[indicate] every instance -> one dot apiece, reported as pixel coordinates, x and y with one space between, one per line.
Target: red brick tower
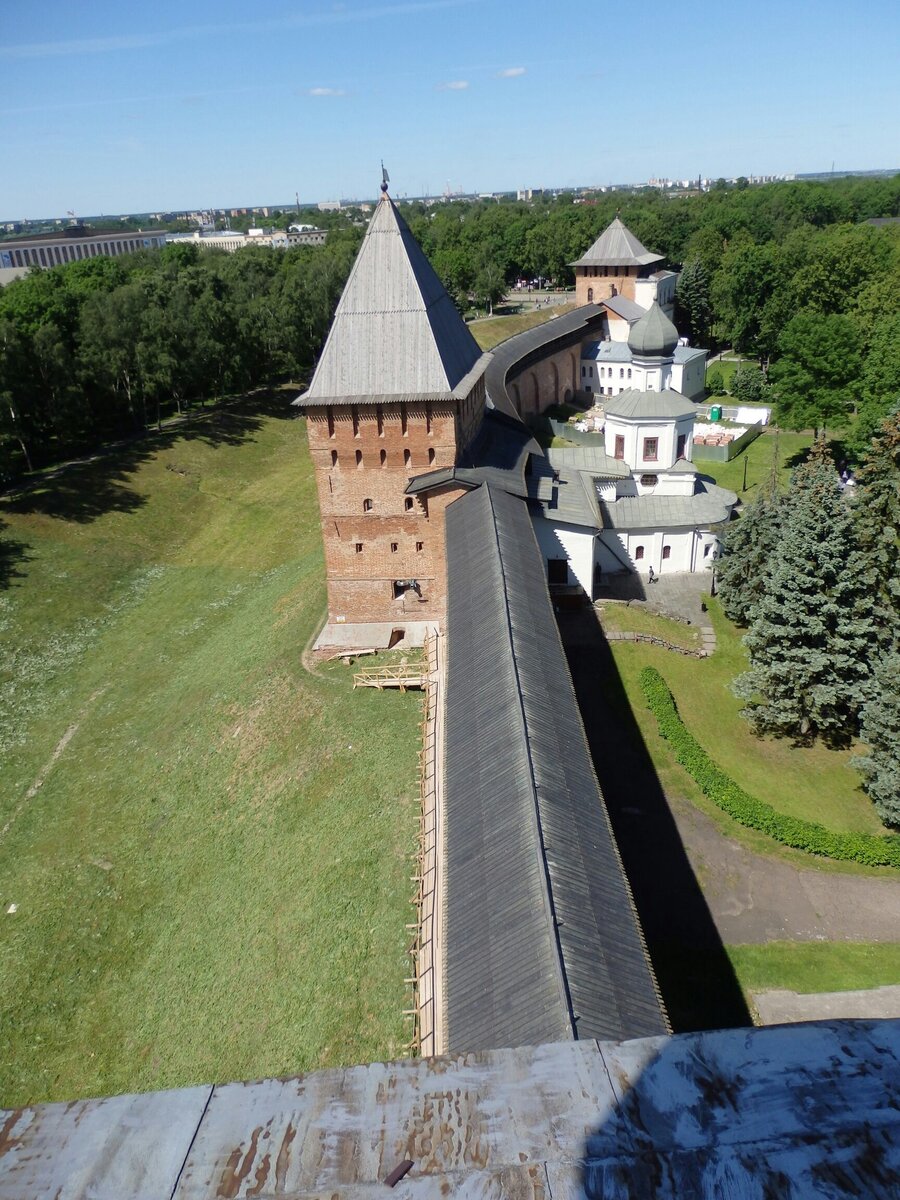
397 393
612 265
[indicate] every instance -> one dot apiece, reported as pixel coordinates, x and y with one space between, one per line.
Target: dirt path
48 766
758 899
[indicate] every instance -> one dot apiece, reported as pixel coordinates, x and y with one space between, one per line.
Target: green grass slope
207 845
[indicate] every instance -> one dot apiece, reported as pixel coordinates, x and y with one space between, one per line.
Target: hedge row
870 849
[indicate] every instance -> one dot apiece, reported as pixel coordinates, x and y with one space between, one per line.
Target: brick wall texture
374 535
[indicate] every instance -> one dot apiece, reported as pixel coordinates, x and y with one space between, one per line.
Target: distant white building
72 244
619 363
231 240
635 501
625 279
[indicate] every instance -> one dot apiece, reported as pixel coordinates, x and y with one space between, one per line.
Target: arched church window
667 551
638 552
590 295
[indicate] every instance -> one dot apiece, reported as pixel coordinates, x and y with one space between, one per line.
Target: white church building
634 501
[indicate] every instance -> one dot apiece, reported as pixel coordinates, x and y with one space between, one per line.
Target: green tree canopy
815 379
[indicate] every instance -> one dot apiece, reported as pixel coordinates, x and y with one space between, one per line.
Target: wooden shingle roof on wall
542 939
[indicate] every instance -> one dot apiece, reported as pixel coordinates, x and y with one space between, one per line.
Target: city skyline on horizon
174 117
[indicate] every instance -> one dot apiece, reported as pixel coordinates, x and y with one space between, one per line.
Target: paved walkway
756 899
784 1007
680 596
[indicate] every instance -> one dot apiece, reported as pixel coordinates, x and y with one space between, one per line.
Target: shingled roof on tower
396 332
617 247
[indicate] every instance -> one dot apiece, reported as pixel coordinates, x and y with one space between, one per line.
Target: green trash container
715 412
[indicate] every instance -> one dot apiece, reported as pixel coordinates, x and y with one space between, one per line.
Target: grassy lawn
727 369
814 783
634 619
759 456
816 966
208 845
492 330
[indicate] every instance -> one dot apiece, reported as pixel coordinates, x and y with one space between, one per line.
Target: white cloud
324 91
453 85
510 72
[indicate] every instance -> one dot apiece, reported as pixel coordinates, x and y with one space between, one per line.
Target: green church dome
653 335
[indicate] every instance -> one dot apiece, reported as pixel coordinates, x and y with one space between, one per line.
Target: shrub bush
871 850
715 382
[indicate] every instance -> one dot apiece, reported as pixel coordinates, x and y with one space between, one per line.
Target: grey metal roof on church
653 335
709 505
542 940
634 405
623 307
396 333
617 247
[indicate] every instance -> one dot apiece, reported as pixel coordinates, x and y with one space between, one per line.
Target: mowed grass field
208 847
490 331
813 782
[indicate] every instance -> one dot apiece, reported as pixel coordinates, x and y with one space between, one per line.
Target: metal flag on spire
385 178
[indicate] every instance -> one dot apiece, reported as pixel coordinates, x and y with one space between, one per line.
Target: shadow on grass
695 976
12 553
87 488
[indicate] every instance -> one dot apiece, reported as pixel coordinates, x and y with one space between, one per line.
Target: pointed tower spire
396 332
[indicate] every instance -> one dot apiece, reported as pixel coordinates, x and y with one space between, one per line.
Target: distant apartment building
231 240
74 243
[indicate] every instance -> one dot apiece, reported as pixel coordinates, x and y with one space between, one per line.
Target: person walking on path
652 576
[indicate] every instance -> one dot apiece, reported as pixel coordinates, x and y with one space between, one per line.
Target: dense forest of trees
105 347
789 273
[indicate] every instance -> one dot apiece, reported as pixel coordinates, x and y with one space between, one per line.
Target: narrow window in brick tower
420 546
383 457
334 458
359 458
367 505
431 456
408 503
394 547
406 458
358 547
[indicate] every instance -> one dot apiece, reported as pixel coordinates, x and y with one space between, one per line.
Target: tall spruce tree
878 515
748 552
880 730
814 633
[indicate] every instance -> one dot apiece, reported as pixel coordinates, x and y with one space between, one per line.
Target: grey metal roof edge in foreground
806 1110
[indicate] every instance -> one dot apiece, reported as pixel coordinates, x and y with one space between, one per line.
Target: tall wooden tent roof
396 332
617 247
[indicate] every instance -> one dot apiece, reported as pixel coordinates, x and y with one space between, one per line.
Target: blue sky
109 108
